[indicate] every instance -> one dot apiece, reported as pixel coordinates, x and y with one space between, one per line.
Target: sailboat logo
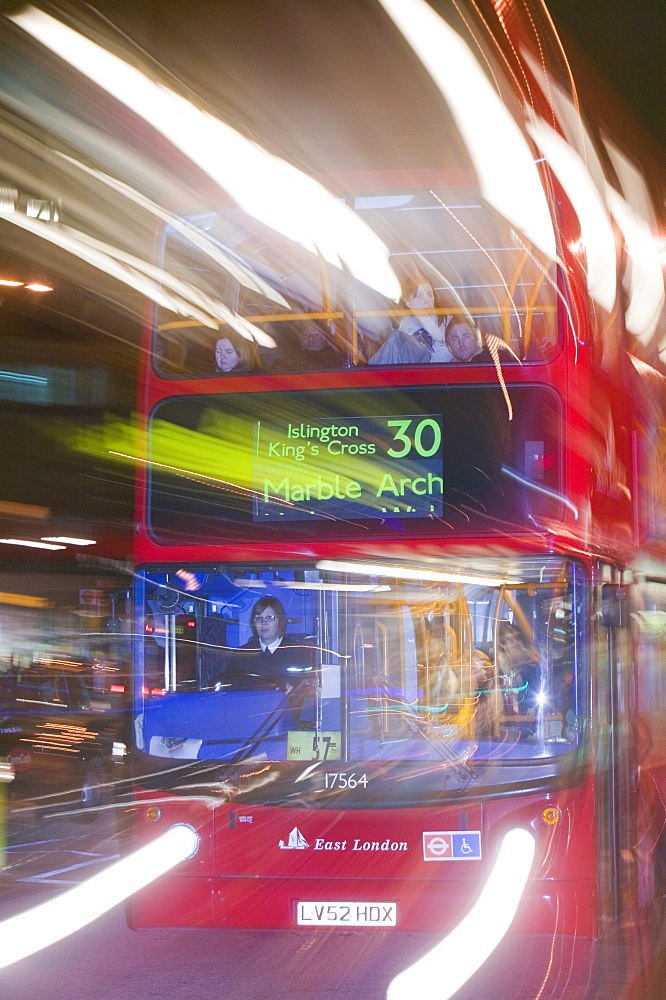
296 842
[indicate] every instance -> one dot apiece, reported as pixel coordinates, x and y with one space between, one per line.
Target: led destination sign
419 461
349 467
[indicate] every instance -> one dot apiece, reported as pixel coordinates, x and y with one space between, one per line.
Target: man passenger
465 343
314 349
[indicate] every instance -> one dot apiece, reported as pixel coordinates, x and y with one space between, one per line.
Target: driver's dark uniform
290 663
252 659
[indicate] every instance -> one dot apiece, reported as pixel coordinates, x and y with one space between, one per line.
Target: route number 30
426 437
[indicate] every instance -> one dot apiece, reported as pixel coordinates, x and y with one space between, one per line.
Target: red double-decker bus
400 583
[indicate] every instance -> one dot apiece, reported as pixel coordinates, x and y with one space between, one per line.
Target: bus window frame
563 770
349 321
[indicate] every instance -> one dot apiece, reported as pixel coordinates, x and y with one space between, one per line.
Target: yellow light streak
25 600
197 475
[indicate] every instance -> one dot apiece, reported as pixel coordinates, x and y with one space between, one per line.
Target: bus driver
270 652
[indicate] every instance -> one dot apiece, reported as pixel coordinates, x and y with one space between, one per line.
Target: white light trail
450 964
595 225
265 186
49 922
153 282
644 280
66 540
499 151
637 219
410 573
524 481
29 544
358 588
222 256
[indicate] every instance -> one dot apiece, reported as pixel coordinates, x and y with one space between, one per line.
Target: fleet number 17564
340 779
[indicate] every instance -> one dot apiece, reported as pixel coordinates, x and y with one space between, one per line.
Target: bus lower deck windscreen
422 667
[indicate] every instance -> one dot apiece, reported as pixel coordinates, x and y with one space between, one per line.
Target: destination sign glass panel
427 461
358 467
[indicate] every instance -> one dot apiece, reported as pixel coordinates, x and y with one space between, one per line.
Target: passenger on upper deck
418 339
420 294
234 353
314 349
465 343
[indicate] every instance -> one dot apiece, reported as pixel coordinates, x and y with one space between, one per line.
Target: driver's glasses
258 619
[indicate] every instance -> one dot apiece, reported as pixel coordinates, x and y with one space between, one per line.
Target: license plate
347 914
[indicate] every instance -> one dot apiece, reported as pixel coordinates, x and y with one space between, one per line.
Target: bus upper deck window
478 295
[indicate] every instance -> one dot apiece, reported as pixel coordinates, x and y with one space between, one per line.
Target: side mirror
614 605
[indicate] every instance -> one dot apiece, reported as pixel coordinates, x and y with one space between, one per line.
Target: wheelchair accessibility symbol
452 845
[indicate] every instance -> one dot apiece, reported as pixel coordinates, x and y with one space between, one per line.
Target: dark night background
626 41
88 334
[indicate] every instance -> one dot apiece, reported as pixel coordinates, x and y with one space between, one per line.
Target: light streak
450 964
358 588
494 344
223 256
265 186
409 573
512 474
492 263
25 600
645 280
69 541
190 472
162 287
54 920
29 544
502 159
596 230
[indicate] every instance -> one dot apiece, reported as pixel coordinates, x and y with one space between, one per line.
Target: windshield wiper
447 753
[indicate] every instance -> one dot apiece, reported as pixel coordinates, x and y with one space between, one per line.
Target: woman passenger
418 339
489 697
429 330
234 353
441 681
521 664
